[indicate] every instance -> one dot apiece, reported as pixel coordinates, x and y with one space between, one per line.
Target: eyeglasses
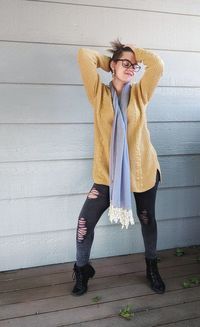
127 64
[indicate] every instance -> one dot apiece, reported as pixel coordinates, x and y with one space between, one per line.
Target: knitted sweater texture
143 158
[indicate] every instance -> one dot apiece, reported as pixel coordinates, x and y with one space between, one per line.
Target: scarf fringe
124 216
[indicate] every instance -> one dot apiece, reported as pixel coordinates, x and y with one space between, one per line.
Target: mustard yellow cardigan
143 158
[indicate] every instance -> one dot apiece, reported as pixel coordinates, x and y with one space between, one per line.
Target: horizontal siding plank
45 178
57 64
56 247
174 104
170 6
45 104
34 215
53 178
75 141
34 142
33 18
69 104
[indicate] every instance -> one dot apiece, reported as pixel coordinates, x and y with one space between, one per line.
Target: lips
129 74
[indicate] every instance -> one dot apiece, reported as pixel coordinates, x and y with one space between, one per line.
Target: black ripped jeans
97 202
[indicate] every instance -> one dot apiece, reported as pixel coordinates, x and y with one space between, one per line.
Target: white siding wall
46 129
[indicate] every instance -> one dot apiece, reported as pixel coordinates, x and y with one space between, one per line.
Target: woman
124 158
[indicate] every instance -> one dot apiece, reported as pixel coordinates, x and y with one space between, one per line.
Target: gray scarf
119 168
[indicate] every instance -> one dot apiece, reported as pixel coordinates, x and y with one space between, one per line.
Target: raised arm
153 72
89 61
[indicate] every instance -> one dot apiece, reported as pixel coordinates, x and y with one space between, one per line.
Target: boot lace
76 275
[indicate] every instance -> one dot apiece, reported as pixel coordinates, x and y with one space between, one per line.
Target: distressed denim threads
97 202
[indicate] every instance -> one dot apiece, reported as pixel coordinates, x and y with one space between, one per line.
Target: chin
127 80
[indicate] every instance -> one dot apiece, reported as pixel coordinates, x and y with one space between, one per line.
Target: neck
118 85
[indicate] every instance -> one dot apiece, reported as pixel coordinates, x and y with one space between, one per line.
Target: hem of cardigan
100 182
151 185
141 190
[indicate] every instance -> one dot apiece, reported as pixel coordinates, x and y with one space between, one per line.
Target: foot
152 274
82 275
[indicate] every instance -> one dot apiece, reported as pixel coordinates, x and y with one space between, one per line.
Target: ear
112 66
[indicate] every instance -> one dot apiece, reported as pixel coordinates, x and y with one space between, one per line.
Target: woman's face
121 72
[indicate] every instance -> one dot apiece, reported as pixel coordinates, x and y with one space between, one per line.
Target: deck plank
153 318
139 291
41 296
65 278
166 255
158 312
193 322
13 284
95 285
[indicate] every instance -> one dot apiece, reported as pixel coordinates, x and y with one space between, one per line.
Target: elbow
160 65
80 54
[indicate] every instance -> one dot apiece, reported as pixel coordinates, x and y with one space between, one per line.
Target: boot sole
79 294
155 289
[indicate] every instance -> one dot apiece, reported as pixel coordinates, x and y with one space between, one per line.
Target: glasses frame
135 66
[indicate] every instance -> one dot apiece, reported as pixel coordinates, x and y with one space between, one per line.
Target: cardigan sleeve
89 61
153 72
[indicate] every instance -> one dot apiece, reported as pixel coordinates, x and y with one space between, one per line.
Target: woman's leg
96 203
145 204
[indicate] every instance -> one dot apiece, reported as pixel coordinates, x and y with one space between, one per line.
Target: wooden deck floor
41 296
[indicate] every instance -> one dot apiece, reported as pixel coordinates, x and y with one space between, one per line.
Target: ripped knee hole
144 217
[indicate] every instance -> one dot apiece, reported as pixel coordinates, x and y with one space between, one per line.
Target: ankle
152 274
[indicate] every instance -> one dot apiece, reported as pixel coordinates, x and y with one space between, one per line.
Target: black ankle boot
152 274
82 274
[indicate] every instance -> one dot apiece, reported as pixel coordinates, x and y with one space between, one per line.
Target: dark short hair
117 49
